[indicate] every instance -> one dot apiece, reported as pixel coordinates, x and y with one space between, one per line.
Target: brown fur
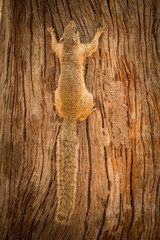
73 102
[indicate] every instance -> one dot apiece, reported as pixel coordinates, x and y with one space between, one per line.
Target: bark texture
118 192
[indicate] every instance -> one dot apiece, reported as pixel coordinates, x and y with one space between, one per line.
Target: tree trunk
118 193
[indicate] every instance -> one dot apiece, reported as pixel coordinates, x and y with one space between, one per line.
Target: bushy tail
67 168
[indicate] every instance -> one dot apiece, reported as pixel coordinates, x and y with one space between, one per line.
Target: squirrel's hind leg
87 106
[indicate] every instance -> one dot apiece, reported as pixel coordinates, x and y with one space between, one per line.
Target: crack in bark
92 6
49 7
110 12
31 42
44 38
42 144
101 227
131 195
90 168
89 179
119 216
107 174
69 9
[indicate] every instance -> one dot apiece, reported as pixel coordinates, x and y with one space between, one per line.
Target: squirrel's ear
61 40
75 41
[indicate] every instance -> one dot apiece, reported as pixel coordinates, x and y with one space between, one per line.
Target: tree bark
118 192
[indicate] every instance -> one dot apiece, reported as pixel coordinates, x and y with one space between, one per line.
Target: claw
50 30
94 109
101 29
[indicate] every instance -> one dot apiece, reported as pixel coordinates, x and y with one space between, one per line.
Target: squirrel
73 102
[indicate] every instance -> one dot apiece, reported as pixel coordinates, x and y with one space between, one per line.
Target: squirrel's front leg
55 44
92 47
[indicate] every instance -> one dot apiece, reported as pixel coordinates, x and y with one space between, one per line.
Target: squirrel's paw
100 30
50 30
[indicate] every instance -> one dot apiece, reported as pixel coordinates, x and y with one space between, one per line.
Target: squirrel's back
71 81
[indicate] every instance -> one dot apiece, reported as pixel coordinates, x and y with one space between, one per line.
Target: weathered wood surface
119 168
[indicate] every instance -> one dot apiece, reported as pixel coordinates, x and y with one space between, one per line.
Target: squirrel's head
71 35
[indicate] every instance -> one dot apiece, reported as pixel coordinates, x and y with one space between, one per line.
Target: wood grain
118 192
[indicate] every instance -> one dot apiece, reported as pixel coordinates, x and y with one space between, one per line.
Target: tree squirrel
73 102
